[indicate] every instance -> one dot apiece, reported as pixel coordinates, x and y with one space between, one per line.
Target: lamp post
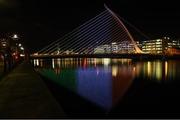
16 47
15 36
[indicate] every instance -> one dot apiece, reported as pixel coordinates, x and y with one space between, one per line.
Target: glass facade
159 46
116 47
152 46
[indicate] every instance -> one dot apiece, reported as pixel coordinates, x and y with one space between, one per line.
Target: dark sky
39 22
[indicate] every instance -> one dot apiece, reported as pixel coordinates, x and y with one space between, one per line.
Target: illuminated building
153 46
102 49
159 46
126 47
116 47
174 44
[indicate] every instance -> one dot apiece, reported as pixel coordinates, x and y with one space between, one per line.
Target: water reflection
95 87
104 81
159 70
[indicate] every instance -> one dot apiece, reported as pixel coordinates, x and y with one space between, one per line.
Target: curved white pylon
137 49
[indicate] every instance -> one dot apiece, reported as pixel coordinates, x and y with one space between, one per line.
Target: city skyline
46 21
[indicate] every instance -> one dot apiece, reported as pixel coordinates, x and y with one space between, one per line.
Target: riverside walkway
23 94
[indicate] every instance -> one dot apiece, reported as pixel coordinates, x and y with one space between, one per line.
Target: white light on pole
15 36
20 45
22 48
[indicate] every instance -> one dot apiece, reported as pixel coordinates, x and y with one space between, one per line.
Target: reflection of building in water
65 78
159 70
101 85
106 61
95 84
66 62
114 71
171 69
122 78
42 63
152 70
78 62
105 85
36 62
122 61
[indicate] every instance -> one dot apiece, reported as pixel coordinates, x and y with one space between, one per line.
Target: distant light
168 38
22 48
158 40
22 55
20 45
113 43
16 57
15 36
35 53
4 44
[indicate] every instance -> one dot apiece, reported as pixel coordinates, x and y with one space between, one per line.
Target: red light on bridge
16 57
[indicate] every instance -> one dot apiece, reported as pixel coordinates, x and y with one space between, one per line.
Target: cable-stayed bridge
105 34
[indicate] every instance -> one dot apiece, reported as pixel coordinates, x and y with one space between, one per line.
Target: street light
22 48
20 45
15 36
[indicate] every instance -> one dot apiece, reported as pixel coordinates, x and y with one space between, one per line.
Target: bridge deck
130 56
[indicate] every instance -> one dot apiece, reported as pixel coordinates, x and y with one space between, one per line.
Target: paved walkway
23 94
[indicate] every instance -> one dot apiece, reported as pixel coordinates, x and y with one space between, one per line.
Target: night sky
40 22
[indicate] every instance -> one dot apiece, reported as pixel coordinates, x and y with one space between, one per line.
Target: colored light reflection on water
104 82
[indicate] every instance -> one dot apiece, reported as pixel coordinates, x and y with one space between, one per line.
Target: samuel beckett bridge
105 35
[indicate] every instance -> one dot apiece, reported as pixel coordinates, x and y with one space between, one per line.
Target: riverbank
24 95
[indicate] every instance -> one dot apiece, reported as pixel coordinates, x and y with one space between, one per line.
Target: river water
118 85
